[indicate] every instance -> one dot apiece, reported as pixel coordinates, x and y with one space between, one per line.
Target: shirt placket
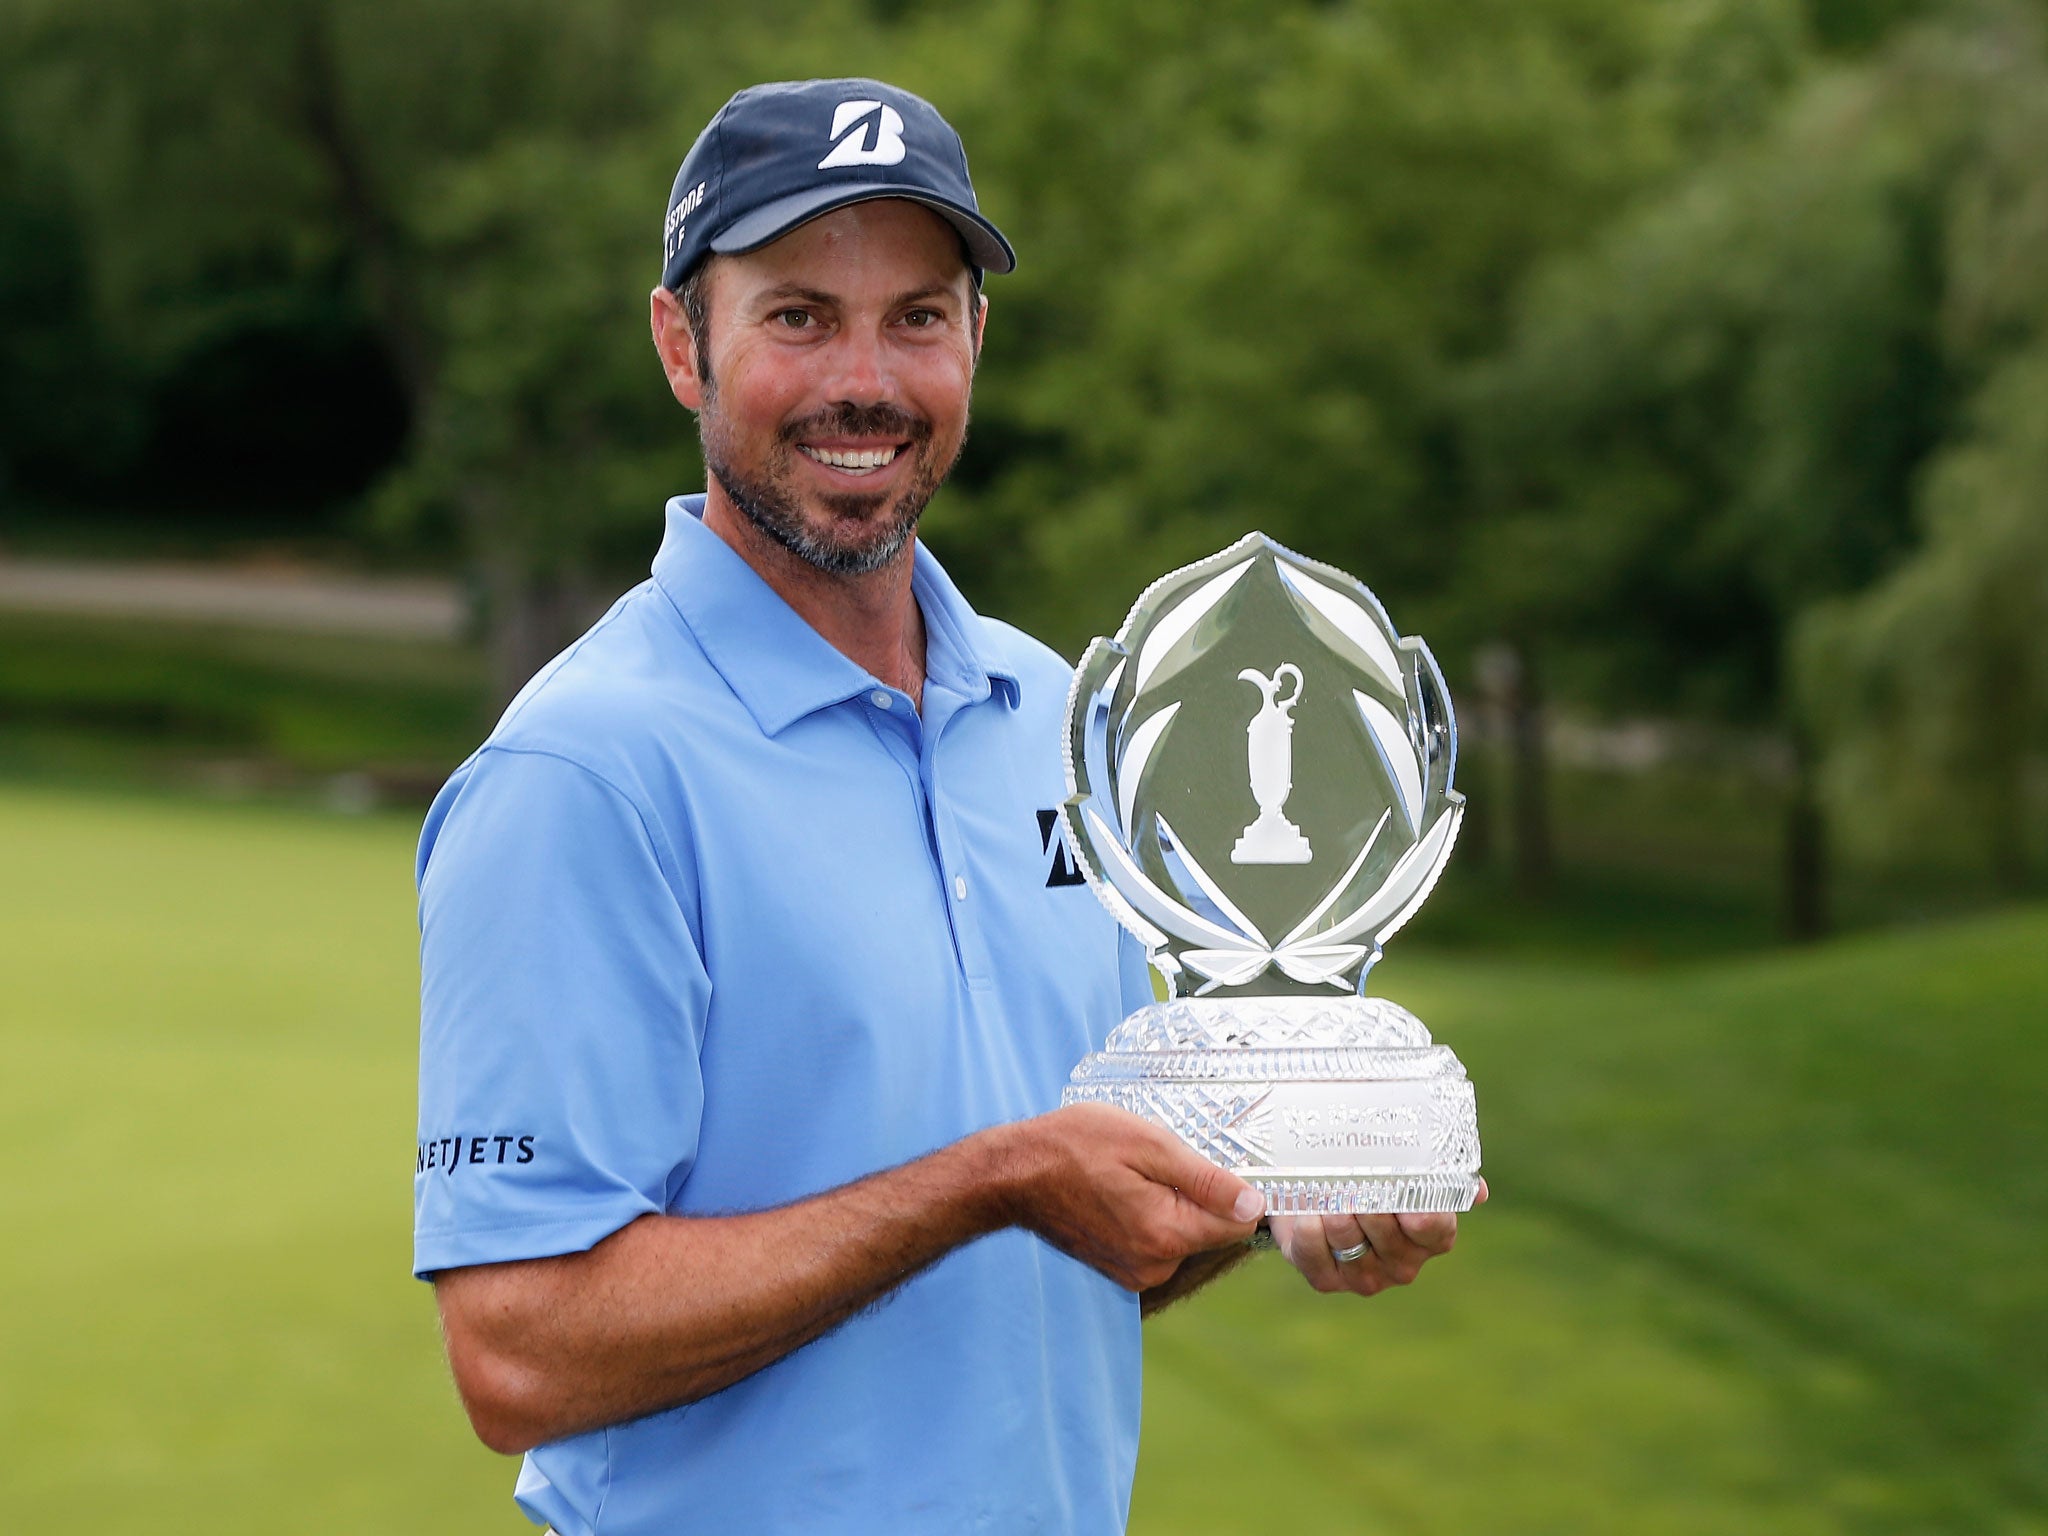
915 745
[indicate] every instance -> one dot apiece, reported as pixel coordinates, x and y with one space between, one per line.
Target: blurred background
1678 368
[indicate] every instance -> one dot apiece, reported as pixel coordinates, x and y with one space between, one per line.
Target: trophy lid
1259 774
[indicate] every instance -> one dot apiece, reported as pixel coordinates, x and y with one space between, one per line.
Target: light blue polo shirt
714 921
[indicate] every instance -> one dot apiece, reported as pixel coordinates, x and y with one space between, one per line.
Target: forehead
878 249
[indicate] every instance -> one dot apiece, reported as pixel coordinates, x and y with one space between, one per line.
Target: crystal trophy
1259 787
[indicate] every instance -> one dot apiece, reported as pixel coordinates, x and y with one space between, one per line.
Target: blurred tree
211 135
1308 218
228 154
1931 690
1715 419
1276 262
551 438
64 417
1313 222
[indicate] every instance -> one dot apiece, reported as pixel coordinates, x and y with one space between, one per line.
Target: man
746 998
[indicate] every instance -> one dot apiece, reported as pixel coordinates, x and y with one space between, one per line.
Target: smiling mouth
853 461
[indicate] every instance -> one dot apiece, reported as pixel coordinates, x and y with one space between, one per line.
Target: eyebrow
817 296
796 291
932 291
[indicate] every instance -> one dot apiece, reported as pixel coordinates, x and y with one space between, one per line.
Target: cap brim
986 247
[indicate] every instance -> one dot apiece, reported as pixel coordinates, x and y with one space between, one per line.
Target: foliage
1737 406
1318 215
55 417
1706 422
1934 685
243 168
1630 335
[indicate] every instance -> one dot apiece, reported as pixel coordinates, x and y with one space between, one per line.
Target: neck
872 619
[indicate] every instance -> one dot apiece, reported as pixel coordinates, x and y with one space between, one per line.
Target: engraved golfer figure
1272 839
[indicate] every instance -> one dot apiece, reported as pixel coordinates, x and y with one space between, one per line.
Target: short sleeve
562 1008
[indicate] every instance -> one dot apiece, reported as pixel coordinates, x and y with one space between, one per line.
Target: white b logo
853 148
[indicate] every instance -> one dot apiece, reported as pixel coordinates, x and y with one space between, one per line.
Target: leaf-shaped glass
1260 689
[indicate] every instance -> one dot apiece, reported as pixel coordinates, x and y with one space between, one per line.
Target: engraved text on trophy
1272 839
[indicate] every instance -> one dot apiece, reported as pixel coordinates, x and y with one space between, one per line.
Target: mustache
848 420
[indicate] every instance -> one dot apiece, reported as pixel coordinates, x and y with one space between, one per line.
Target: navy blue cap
778 155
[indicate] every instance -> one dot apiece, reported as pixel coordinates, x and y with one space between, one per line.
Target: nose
861 373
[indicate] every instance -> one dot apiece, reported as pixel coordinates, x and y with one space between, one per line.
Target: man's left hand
1396 1247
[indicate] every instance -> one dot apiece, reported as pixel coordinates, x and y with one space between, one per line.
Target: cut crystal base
1325 1106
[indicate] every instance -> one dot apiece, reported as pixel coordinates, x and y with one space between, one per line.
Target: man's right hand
1122 1195
669 1309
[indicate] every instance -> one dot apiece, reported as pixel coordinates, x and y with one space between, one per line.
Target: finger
1344 1233
1432 1232
1201 1229
1438 1230
1301 1242
1370 1272
1216 1190
1398 1257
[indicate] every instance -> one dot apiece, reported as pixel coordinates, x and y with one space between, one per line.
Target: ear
676 347
980 321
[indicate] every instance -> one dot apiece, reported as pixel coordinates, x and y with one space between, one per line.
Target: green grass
208 1028
1766 1251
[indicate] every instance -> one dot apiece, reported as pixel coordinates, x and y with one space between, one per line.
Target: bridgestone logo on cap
853 149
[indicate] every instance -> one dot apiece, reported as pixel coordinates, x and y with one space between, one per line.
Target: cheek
763 384
944 388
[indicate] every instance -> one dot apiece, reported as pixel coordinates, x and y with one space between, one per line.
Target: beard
858 533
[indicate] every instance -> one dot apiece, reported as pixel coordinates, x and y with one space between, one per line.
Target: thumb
1219 1191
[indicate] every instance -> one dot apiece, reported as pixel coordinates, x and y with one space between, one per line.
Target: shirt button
959 887
881 699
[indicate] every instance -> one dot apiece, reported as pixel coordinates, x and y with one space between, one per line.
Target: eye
794 319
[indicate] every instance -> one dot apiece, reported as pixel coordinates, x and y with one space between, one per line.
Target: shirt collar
781 668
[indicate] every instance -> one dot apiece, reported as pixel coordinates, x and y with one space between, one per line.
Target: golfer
749 984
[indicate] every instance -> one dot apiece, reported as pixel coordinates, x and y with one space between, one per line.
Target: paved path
403 607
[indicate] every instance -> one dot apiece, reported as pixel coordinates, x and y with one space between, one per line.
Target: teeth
865 458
